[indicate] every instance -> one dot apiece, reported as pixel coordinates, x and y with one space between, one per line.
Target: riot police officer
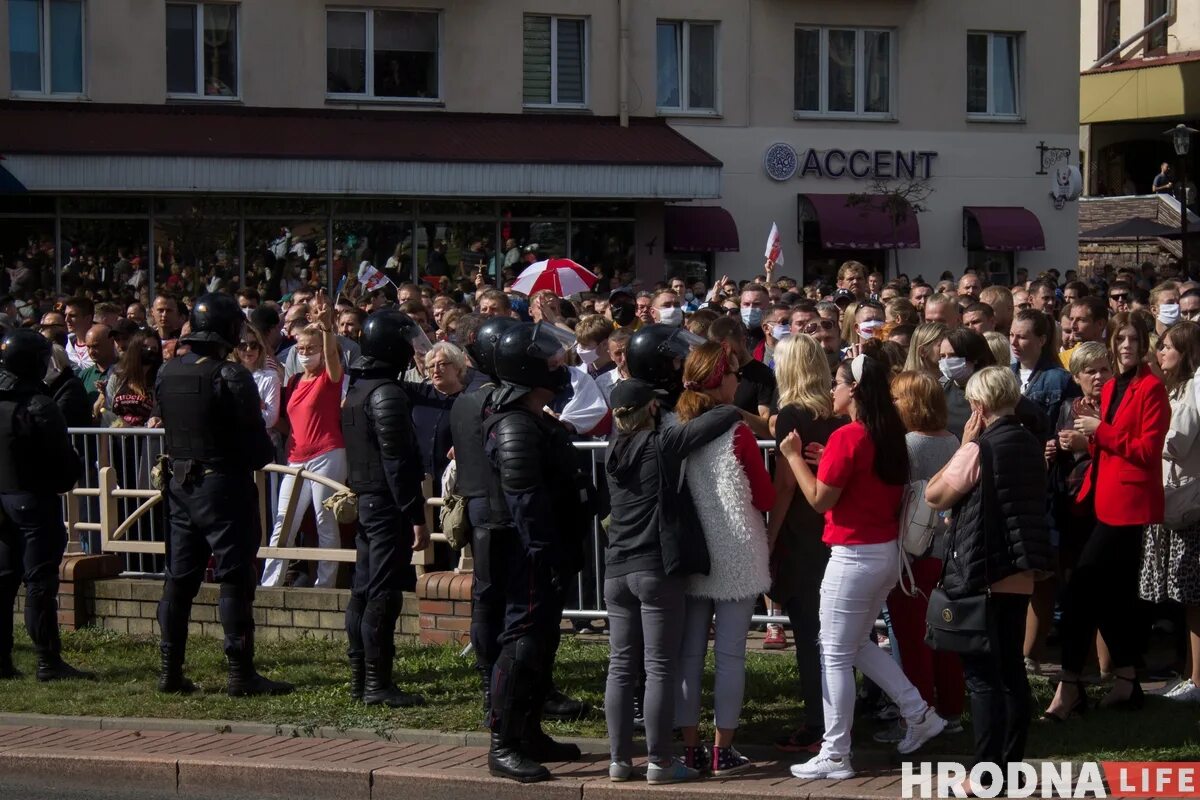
37 463
215 440
486 513
550 507
656 354
385 471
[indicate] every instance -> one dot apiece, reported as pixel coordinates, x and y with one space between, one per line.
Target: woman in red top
1125 485
858 486
314 410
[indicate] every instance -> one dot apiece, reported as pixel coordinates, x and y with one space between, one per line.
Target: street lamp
1181 137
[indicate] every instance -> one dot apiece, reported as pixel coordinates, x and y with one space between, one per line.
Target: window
1156 40
844 72
687 66
202 50
1110 25
387 54
993 75
45 39
555 61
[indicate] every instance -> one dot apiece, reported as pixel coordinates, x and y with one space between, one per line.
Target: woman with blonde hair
731 489
798 557
923 347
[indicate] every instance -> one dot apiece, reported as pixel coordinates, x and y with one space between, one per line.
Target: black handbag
963 625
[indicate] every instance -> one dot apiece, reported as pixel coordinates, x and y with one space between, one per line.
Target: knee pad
528 652
39 591
238 585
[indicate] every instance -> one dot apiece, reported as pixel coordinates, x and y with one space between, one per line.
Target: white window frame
198 18
44 81
1018 100
859 74
685 56
587 63
368 94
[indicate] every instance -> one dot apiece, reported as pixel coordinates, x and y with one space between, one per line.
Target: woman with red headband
731 489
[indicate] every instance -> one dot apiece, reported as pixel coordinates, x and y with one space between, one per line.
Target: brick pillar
445 606
74 573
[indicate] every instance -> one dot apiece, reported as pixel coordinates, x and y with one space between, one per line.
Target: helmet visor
681 342
419 341
549 341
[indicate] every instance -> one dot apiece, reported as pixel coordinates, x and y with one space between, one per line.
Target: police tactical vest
466 427
11 446
196 425
365 473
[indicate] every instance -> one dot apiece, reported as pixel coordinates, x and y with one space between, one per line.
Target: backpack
918 525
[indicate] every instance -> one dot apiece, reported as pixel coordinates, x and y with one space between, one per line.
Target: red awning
1003 228
860 222
700 229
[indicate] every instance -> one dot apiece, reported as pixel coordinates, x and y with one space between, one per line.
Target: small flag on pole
371 278
340 288
774 251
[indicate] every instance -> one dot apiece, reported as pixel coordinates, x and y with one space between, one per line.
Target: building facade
212 139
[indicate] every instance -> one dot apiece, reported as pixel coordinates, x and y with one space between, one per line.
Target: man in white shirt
79 317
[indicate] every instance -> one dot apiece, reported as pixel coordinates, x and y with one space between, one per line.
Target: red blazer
1127 478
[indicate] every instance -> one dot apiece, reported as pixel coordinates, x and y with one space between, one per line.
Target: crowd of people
1048 425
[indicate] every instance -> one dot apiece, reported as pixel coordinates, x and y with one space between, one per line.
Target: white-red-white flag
370 277
774 246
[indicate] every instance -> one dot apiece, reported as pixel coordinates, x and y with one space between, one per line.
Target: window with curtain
687 66
555 61
202 49
45 40
844 72
1156 40
383 53
994 75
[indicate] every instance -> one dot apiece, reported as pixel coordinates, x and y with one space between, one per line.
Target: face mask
587 355
560 379
780 332
689 296
247 311
151 358
670 316
307 362
954 368
752 317
1168 313
866 330
624 313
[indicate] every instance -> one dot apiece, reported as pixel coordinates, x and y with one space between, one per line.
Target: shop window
843 72
606 248
202 50
109 258
1156 40
386 245
454 252
692 267
385 54
555 61
687 66
998 268
45 46
994 75
285 255
196 252
27 252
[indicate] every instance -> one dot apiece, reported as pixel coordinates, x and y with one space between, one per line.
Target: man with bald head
969 287
942 308
102 351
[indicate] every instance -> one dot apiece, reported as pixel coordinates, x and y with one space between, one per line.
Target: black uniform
385 472
37 462
215 439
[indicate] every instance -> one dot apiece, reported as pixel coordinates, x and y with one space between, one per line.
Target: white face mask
689 296
587 355
247 311
780 332
866 330
1168 313
671 316
312 362
954 368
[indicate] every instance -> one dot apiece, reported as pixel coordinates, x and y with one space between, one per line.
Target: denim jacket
1048 386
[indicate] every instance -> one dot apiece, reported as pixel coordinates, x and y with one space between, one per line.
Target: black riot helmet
483 349
655 355
390 338
25 353
532 355
216 319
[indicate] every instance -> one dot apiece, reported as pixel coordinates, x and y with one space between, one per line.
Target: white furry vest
733 528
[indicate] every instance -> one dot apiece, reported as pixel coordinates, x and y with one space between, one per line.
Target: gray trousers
645 616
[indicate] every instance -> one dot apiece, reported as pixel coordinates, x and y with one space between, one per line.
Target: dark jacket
36 454
71 398
649 527
958 411
431 420
1048 386
1000 526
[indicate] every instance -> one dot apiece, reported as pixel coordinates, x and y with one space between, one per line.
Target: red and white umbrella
560 275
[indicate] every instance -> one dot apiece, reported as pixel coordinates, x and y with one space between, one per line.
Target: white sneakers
1184 692
920 732
823 766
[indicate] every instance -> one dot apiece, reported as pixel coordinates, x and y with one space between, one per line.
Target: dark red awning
861 222
1003 228
700 229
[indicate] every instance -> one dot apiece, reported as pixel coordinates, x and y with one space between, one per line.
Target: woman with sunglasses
858 486
252 354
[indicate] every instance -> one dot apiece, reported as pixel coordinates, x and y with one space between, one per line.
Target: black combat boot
244 680
357 678
561 708
378 688
513 693
53 668
8 670
170 677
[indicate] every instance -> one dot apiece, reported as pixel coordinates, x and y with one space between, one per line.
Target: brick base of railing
445 606
77 573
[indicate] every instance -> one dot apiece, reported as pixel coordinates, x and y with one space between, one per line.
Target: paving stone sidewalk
229 764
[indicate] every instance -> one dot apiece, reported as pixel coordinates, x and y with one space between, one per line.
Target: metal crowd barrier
115 510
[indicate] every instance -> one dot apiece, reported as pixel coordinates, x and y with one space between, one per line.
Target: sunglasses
1118 297
818 326
248 346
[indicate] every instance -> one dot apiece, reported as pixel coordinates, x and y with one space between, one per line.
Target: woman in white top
252 354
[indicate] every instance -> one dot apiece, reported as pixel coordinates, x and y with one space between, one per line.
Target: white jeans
729 647
856 584
331 465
